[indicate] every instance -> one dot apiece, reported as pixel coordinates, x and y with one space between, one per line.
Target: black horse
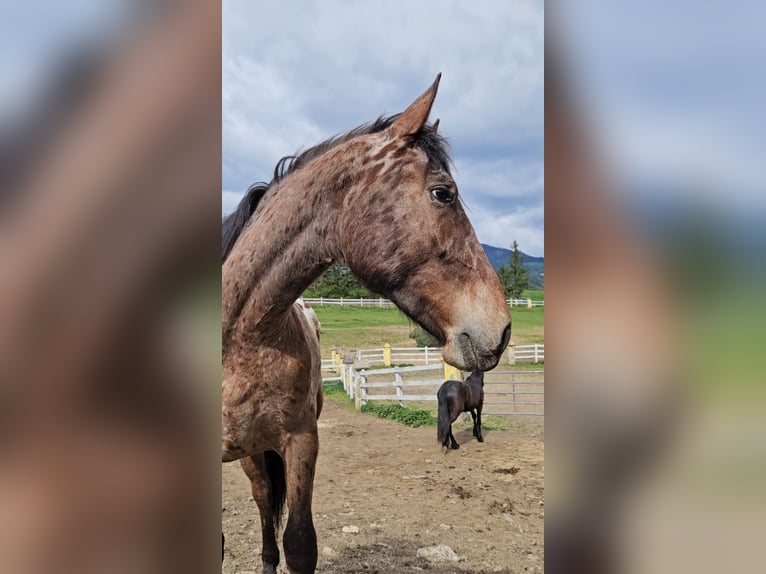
457 397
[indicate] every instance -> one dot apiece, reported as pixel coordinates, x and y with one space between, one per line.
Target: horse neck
475 383
290 242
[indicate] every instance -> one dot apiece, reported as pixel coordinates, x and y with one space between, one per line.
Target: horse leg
479 436
446 441
300 540
443 420
455 445
255 468
475 428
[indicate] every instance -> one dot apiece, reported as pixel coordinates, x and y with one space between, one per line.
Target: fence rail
380 302
506 392
534 353
388 356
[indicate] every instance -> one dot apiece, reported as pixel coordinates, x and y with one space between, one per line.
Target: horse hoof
455 446
480 438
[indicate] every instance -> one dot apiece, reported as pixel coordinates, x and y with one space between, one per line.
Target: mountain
499 256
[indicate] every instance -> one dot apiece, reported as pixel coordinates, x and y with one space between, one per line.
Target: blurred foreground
109 202
654 199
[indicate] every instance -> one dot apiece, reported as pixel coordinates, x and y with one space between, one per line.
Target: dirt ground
485 501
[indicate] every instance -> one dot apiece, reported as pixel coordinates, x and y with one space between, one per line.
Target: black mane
432 143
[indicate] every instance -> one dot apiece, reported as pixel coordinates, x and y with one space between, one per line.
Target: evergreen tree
514 277
336 282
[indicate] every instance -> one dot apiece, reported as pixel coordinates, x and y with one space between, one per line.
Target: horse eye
443 195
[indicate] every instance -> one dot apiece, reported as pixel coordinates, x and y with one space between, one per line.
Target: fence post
451 373
349 380
387 355
537 357
513 382
321 301
358 389
529 303
352 375
426 355
511 353
399 391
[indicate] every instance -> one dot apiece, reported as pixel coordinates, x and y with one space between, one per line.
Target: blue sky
672 93
295 73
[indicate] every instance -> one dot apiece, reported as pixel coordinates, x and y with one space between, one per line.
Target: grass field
372 327
535 295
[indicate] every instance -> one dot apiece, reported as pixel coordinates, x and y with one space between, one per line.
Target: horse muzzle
476 349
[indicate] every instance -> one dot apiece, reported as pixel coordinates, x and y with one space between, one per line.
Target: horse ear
414 117
435 127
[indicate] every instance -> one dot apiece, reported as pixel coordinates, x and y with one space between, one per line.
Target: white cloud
296 73
520 225
502 178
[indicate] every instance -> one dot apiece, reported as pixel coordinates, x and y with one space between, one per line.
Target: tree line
338 281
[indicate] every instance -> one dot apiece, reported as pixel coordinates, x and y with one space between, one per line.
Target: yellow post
451 373
511 353
387 354
334 360
529 303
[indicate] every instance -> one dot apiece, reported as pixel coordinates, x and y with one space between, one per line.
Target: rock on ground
440 553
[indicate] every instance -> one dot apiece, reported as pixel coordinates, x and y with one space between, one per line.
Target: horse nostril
506 338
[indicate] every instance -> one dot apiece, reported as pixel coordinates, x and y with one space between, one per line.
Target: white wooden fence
388 356
380 302
506 392
398 355
534 353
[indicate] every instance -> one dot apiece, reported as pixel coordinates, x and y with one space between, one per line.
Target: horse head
404 233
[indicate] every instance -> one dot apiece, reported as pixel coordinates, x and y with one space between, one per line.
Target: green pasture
362 328
372 327
534 294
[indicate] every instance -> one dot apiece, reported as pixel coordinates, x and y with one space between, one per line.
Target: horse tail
443 422
275 469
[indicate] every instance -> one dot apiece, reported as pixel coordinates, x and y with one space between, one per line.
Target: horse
311 315
381 199
456 397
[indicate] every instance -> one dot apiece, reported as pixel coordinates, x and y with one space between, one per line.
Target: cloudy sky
295 73
673 100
